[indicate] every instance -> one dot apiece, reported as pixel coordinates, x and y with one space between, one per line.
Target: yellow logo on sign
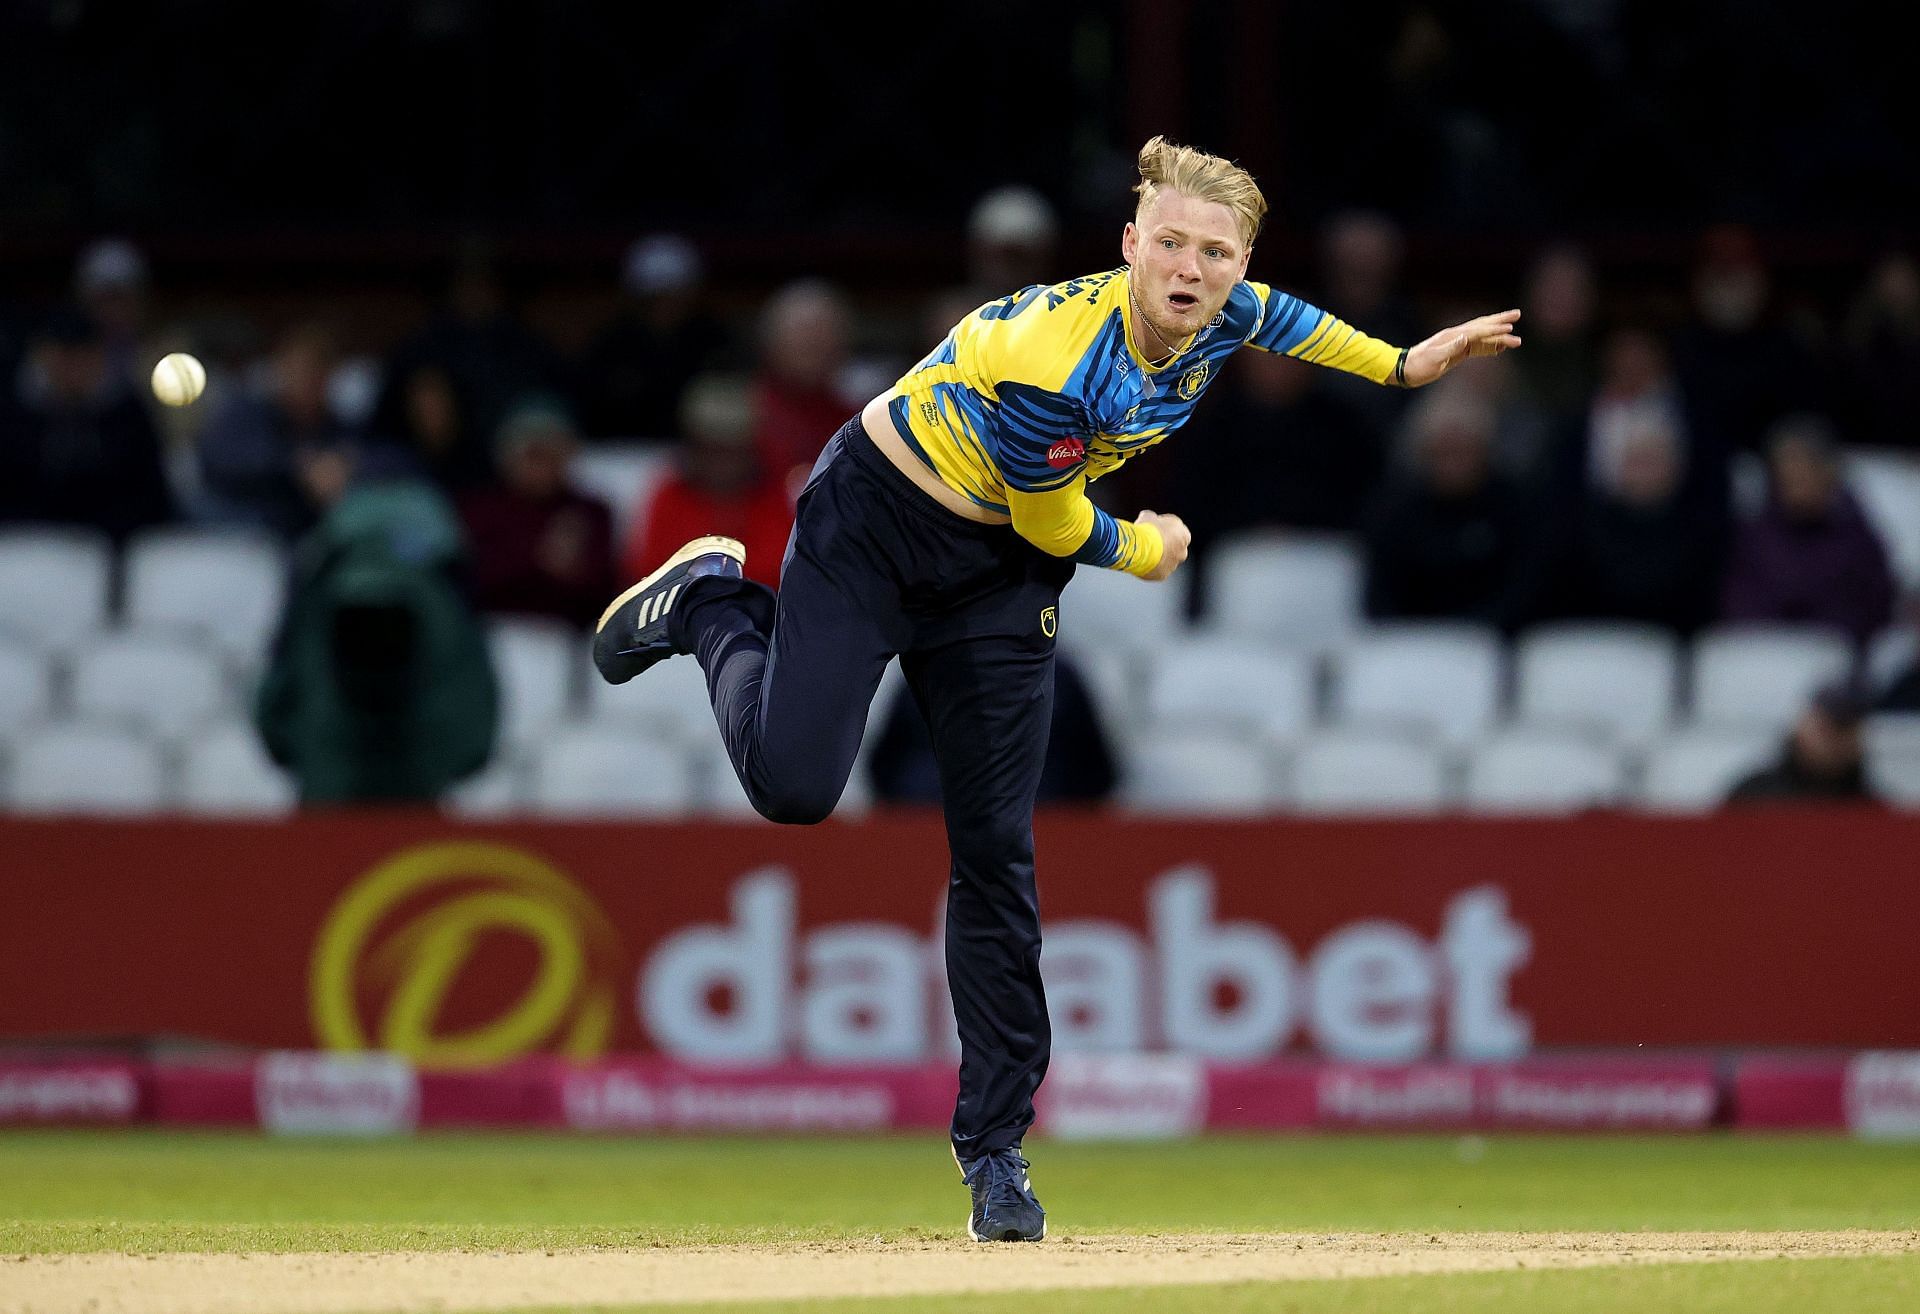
412 925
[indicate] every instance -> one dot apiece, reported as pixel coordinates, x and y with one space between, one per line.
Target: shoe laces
1005 1174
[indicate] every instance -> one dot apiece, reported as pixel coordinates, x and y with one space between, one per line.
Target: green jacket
380 688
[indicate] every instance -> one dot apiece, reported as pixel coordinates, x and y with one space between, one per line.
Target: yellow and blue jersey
1032 396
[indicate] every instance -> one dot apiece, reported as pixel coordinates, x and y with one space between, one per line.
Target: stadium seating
1536 771
1434 677
224 771
1888 486
1195 772
1234 687
26 686
1692 770
1360 771
1892 744
1618 680
82 768
160 683
536 662
1761 676
670 701
1302 591
225 584
623 475
588 771
1115 610
55 583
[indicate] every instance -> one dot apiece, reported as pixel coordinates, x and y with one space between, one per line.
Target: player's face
1186 256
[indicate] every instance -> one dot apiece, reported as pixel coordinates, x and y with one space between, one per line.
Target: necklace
1165 346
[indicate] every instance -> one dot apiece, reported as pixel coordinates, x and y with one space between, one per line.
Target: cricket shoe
1004 1207
632 633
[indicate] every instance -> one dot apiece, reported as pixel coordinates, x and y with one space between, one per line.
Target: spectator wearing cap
719 487
1821 760
800 392
78 449
633 374
1810 556
1013 241
110 281
539 546
257 452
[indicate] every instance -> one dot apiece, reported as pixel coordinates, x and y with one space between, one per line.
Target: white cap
110 263
1012 216
663 263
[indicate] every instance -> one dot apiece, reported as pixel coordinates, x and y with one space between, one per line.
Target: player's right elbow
1054 540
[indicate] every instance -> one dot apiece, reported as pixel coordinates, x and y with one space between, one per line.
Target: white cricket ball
179 379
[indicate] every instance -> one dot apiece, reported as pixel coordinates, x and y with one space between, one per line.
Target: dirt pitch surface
339 1283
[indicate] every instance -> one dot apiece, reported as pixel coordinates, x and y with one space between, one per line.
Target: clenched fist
1174 534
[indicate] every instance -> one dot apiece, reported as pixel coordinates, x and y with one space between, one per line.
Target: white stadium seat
86 769
588 771
227 584
26 686
1300 590
1762 676
1345 772
623 475
669 700
536 662
1892 744
55 583
161 683
1692 771
225 771
1439 677
1110 608
499 790
1620 680
1197 773
1541 772
1235 687
1888 486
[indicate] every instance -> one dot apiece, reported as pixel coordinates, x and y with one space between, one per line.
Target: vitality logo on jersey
1066 452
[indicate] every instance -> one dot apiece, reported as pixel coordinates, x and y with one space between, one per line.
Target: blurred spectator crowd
1665 553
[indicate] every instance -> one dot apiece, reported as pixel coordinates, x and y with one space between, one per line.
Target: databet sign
759 989
458 946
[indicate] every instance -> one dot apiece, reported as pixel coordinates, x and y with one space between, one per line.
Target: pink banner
1105 1096
61 1092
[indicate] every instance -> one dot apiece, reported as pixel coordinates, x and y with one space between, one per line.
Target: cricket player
940 526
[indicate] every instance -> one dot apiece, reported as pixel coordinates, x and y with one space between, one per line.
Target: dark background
255 152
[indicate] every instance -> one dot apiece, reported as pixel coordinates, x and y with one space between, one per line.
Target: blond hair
1203 177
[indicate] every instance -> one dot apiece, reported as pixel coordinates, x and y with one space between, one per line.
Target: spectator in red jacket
540 547
799 401
720 487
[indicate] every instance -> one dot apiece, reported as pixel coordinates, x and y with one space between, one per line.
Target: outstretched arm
1488 335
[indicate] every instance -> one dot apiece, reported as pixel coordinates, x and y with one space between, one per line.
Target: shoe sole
990 1239
699 547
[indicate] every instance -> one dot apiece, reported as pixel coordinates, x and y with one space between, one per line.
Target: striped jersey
1032 396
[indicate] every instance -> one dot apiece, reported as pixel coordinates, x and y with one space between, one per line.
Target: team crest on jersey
1193 380
1066 452
1049 621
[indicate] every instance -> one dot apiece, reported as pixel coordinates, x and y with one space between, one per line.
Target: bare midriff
878 422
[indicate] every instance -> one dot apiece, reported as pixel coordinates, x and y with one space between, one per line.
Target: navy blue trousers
875 569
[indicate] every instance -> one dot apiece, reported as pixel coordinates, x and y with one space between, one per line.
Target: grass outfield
153 1193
